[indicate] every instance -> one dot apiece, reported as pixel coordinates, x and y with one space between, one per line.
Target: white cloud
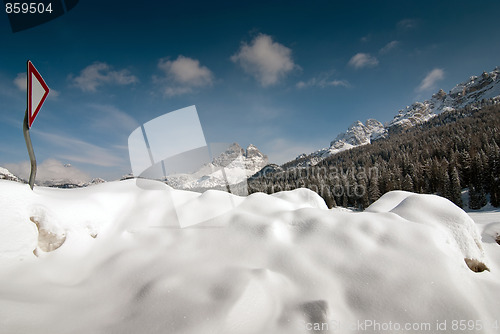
20 83
431 79
388 47
187 71
361 60
265 60
49 169
183 75
98 74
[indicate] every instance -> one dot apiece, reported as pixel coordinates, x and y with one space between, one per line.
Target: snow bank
157 260
458 229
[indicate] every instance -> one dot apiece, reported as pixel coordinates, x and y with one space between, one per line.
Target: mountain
6 175
61 182
67 183
476 89
357 134
268 169
231 167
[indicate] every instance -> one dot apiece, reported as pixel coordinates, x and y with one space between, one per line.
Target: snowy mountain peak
251 157
356 135
440 95
230 154
475 89
232 166
359 134
97 180
5 174
252 151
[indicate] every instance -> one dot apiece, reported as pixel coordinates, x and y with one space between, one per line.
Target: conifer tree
407 183
477 197
455 188
373 189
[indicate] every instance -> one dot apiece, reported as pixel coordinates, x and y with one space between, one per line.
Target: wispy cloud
50 169
407 24
361 60
389 47
77 150
322 81
430 80
183 75
20 83
112 119
365 38
98 74
264 59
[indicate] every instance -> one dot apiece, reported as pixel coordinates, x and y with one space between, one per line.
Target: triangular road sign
37 92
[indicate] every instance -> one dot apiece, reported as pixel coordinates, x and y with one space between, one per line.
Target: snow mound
492 231
158 260
460 230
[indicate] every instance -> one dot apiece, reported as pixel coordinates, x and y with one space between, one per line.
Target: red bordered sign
37 93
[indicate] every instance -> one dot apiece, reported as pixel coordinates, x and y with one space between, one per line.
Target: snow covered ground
123 257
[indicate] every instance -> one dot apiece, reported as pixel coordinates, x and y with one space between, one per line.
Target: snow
459 228
138 256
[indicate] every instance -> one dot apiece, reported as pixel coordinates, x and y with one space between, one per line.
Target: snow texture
114 258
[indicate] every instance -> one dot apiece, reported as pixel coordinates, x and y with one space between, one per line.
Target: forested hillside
454 150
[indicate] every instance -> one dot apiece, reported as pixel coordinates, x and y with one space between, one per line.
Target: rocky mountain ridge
232 166
475 89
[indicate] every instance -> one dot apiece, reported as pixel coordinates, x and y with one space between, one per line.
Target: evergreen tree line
452 151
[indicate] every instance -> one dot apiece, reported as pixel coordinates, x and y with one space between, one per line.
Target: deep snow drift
119 258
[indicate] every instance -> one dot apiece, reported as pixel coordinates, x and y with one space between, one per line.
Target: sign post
37 93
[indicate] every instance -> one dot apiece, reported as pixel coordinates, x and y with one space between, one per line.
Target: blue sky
286 76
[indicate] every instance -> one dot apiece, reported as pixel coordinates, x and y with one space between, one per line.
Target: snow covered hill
6 175
474 90
118 258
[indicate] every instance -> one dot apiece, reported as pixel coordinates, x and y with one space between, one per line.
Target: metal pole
31 153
